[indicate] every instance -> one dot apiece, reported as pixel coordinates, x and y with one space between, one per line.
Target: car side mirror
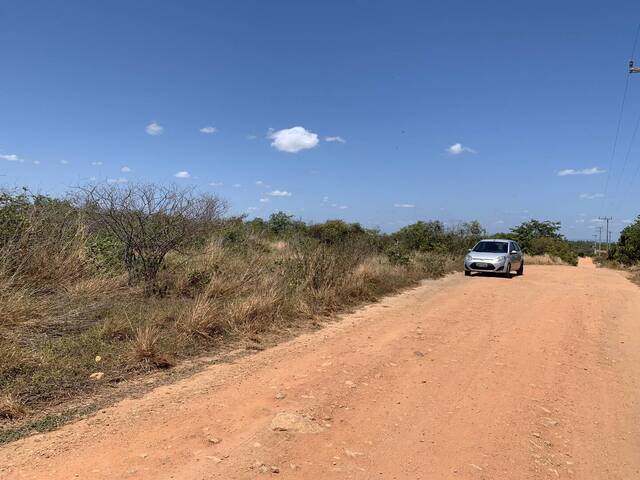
469 250
514 252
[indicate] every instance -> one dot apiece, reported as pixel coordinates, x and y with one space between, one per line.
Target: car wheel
520 270
507 272
467 273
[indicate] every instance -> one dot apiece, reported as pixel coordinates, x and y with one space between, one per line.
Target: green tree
281 223
627 250
335 231
527 231
421 236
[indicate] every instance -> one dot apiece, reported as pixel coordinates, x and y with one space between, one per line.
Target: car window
491 247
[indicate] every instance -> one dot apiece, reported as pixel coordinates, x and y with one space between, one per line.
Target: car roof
496 240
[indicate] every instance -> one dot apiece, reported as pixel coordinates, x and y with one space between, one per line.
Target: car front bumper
485 266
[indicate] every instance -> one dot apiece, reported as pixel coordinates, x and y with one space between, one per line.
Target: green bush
398 255
627 250
542 237
106 254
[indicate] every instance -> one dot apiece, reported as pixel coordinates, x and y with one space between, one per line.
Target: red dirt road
463 378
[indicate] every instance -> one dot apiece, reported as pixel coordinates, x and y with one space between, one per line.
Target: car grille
488 266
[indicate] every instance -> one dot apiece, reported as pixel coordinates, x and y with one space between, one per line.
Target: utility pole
595 242
608 234
599 227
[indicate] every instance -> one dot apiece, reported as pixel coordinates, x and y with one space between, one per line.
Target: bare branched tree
150 221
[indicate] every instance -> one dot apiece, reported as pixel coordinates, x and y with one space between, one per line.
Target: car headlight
468 257
501 258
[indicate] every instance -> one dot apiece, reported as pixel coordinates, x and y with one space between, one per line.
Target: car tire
467 273
520 270
507 272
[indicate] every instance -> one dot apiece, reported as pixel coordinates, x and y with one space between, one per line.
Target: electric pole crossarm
633 69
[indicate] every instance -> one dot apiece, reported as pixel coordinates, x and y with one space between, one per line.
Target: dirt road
479 378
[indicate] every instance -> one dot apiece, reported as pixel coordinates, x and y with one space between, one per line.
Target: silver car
495 255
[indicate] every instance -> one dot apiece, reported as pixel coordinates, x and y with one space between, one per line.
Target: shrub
627 249
150 221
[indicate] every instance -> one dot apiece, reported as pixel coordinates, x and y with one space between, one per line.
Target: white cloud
154 129
252 209
208 130
499 222
584 171
590 196
279 193
117 180
251 137
11 157
343 207
627 220
580 220
216 184
64 162
237 185
458 148
96 164
335 139
293 139
36 162
265 200
404 205
182 174
125 169
325 199
259 182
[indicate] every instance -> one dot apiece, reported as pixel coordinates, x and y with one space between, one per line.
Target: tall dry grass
57 317
545 259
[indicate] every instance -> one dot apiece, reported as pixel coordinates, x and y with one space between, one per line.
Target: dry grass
543 260
11 408
220 292
144 347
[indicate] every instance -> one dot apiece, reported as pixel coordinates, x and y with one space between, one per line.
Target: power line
615 138
620 115
632 70
626 157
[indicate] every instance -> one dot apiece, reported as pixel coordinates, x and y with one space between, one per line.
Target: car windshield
491 247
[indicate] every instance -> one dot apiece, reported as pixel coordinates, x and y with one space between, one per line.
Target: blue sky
433 110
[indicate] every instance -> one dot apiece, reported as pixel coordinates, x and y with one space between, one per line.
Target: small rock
293 422
214 440
96 376
352 453
280 395
418 354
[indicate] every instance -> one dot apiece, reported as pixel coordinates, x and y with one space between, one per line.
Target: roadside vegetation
625 253
116 280
543 243
112 281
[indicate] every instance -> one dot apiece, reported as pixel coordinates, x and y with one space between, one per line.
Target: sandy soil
481 378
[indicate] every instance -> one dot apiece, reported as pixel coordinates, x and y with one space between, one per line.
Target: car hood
486 256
